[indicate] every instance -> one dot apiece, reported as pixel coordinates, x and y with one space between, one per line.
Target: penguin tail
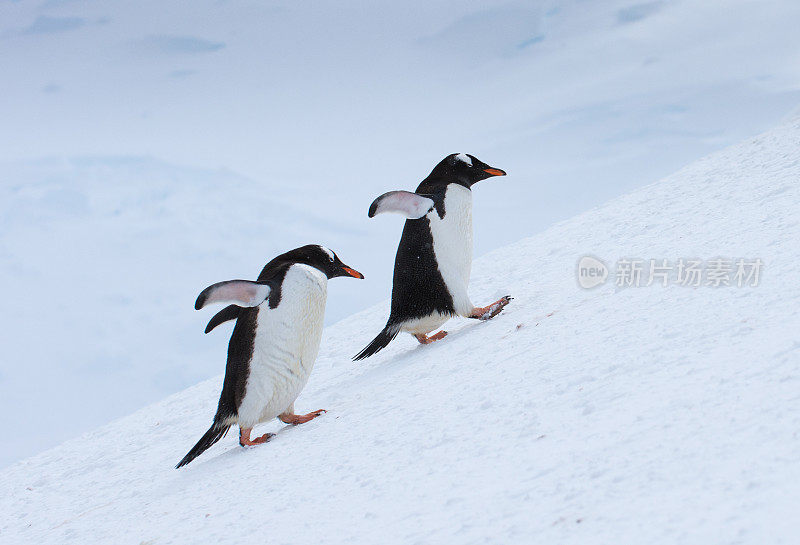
214 434
379 343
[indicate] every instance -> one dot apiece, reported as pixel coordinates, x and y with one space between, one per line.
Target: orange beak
495 171
352 272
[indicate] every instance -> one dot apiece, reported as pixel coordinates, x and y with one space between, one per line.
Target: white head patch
327 251
464 158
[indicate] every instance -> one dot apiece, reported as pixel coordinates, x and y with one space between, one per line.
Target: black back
418 288
237 369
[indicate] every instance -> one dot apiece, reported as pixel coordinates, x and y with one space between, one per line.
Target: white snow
639 415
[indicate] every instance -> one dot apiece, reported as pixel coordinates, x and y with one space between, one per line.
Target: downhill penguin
274 344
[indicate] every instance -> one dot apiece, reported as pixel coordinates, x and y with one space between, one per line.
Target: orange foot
424 339
245 441
295 419
488 312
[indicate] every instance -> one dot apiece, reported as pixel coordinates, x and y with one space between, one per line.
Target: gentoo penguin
432 267
274 343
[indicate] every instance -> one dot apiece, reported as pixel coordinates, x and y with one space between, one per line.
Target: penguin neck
439 184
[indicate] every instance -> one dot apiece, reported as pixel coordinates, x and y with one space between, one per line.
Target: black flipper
214 434
379 343
227 314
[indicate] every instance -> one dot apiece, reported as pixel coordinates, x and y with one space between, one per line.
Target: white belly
452 244
286 346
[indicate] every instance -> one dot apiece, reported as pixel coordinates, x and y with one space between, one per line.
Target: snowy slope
635 415
103 256
168 129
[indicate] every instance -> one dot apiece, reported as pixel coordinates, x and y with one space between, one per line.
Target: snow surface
145 157
104 258
636 415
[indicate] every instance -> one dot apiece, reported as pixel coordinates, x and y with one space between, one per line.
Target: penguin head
464 169
325 260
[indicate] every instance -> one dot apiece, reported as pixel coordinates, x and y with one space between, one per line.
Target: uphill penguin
434 258
275 341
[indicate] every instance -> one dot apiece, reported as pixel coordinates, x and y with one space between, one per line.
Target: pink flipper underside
409 204
240 292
